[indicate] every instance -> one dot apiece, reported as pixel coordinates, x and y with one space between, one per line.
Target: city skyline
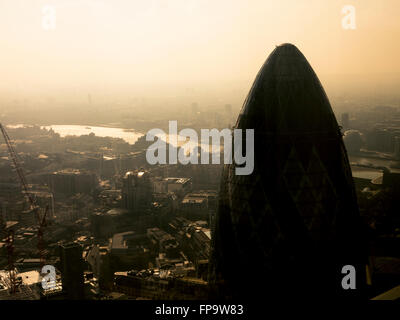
244 151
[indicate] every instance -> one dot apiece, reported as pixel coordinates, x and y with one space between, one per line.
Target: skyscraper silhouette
72 271
287 229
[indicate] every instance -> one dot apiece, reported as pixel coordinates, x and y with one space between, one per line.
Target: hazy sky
142 43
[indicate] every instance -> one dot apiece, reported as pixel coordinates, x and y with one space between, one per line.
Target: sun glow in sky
134 43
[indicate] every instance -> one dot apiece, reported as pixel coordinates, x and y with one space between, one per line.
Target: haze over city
165 55
240 151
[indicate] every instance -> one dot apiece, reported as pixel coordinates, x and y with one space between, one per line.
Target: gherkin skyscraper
288 228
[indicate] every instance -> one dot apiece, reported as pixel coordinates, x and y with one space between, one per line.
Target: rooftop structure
70 181
136 191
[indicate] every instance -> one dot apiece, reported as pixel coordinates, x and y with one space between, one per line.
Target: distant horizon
186 50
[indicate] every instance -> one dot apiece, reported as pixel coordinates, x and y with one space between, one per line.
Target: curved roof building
289 227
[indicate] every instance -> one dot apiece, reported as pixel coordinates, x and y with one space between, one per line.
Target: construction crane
41 219
10 254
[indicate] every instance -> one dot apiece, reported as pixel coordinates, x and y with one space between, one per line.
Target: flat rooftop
177 180
119 240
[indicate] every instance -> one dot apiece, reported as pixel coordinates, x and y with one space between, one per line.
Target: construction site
16 284
79 224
